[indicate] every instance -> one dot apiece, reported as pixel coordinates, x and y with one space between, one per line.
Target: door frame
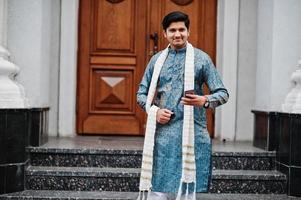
68 67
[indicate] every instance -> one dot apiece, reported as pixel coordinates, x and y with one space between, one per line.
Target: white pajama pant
164 196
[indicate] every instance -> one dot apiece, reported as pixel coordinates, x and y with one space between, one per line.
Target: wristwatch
207 103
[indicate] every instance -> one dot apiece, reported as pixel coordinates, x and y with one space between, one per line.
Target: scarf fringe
148 194
142 195
194 193
139 196
180 191
184 195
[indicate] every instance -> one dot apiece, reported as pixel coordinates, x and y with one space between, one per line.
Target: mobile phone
188 92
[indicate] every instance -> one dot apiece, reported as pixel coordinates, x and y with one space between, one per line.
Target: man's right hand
163 116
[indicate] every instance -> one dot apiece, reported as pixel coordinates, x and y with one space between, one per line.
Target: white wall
278 50
54 64
287 48
219 58
68 68
3 23
226 62
33 40
246 70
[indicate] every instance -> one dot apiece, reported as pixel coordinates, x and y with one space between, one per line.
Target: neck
178 48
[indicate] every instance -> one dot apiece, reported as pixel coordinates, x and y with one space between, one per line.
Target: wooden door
114 48
111 61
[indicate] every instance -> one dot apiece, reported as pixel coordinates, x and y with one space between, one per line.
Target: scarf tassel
142 195
187 192
181 193
139 196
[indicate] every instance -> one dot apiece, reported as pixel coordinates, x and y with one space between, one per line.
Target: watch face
206 105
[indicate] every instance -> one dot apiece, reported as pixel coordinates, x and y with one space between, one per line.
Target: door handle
155 39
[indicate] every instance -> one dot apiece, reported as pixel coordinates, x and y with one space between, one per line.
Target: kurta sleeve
145 83
218 93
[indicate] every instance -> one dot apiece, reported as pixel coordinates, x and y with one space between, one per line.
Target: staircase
108 168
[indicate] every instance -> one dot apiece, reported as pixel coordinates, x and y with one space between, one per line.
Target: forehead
176 25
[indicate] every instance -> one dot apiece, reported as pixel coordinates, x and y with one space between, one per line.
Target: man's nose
177 34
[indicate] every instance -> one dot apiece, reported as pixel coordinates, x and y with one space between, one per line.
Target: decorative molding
111 87
115 1
108 91
182 2
292 102
12 94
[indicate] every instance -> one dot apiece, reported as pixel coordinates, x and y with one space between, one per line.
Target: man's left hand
193 100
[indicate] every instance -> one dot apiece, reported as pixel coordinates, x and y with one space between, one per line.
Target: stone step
132 158
127 180
83 195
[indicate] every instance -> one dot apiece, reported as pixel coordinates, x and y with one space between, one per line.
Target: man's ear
188 32
164 33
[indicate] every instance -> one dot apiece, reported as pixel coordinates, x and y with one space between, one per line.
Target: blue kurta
167 166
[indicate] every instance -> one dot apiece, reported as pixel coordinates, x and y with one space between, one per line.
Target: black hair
175 16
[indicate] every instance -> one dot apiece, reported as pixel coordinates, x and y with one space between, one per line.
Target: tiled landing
131 143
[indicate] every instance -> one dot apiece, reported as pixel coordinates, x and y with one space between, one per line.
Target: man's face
177 35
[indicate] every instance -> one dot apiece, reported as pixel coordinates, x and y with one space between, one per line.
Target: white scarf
188 157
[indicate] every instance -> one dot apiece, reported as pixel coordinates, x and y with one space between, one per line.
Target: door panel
110 59
114 48
114 27
111 91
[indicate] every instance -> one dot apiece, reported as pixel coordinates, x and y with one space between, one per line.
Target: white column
246 70
68 68
227 55
278 50
12 94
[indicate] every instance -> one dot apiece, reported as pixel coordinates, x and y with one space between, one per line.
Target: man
177 149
